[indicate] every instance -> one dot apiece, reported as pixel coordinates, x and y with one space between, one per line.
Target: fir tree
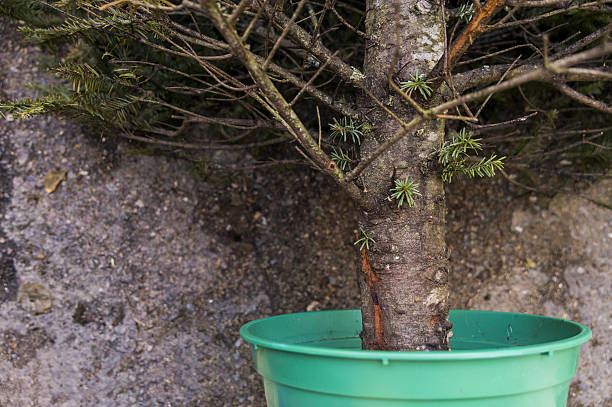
517 83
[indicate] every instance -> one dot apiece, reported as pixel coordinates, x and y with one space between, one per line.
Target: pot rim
547 348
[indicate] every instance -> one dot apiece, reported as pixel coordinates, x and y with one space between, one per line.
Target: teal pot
499 359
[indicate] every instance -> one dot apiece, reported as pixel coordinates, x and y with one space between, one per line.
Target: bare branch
302 38
200 146
309 83
454 117
518 184
197 38
251 25
480 128
400 134
242 6
488 74
583 74
348 25
500 80
475 27
278 105
405 96
312 91
538 74
278 42
548 153
539 3
584 6
585 100
594 36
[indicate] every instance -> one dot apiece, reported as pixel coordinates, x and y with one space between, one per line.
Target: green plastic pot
499 359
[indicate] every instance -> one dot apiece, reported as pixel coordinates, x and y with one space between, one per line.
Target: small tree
390 78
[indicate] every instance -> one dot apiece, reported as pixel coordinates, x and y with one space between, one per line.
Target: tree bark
404 278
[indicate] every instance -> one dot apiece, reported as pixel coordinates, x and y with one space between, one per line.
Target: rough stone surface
589 282
151 273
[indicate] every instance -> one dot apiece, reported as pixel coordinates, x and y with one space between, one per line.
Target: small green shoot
485 167
466 12
454 157
342 159
457 147
344 128
365 240
405 190
417 82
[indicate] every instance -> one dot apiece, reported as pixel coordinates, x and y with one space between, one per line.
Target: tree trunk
404 281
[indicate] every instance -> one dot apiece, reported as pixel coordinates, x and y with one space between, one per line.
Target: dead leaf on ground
53 179
35 298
